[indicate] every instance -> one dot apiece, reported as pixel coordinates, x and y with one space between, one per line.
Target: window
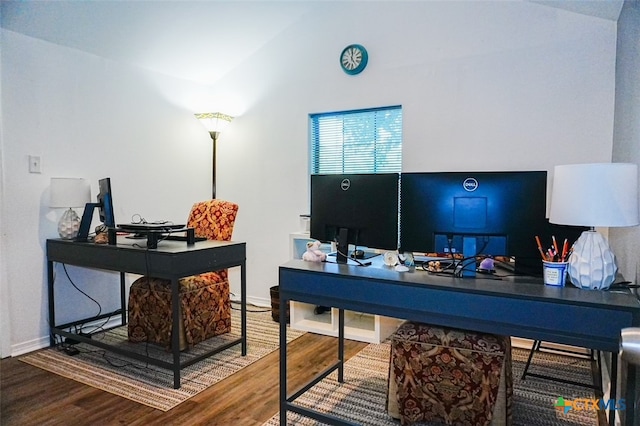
360 141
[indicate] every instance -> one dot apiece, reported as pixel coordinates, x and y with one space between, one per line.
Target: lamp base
592 265
69 225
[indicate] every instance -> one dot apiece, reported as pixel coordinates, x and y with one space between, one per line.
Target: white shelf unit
359 326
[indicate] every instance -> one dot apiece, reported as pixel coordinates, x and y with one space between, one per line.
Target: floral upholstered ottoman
450 376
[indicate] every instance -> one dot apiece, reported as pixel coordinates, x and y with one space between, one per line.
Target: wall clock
353 59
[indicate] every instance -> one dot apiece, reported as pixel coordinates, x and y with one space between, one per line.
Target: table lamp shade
68 193
594 195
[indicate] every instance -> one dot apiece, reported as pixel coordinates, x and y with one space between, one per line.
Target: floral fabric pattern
213 219
205 304
449 376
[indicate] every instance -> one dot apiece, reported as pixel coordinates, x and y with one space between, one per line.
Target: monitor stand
85 223
342 245
469 246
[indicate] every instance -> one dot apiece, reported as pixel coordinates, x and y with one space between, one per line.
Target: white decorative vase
69 225
592 265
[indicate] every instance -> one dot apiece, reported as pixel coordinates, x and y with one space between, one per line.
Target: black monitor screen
493 213
358 209
105 203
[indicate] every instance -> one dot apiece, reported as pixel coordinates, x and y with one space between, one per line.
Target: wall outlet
35 166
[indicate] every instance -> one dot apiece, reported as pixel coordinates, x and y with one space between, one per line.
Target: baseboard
255 301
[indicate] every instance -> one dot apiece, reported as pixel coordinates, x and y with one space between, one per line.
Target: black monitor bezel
105 203
369 218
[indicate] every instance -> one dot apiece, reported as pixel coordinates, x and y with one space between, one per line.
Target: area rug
151 385
362 396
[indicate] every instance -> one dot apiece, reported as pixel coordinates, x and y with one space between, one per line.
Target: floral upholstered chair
205 304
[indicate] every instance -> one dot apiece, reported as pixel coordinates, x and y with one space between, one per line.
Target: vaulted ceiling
219 34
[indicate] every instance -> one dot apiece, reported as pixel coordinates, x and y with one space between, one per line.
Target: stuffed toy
313 253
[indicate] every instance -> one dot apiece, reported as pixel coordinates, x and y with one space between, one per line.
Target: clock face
353 59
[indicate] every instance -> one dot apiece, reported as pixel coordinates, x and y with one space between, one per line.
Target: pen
544 257
555 244
565 247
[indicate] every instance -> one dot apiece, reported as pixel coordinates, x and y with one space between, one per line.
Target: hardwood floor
31 396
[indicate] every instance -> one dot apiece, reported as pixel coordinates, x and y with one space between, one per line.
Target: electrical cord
64 267
118 362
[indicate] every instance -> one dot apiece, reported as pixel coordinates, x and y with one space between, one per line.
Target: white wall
483 85
625 242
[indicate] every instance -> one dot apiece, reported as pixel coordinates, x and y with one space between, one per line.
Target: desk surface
516 306
172 259
513 306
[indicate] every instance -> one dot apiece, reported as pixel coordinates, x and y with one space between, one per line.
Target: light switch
34 164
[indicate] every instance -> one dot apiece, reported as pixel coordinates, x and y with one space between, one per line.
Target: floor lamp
594 195
214 122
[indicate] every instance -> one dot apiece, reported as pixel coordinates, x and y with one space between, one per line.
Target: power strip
71 351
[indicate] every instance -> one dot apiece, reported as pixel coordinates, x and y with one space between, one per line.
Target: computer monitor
478 213
358 209
105 210
105 203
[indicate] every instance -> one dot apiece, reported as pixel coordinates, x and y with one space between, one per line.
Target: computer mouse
401 268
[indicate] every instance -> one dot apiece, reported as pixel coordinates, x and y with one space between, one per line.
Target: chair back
213 219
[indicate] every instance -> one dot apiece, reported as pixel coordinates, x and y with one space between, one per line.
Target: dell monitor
478 214
357 209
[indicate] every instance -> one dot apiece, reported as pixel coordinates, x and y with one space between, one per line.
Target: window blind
358 141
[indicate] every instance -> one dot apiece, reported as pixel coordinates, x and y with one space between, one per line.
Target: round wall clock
353 59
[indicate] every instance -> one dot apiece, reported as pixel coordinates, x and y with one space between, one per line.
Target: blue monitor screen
500 212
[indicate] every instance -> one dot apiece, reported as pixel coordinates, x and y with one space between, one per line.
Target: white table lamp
594 195
69 193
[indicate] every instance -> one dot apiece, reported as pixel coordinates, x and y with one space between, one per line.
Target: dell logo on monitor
345 184
470 184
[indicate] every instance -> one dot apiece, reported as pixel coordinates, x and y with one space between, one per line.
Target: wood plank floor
31 396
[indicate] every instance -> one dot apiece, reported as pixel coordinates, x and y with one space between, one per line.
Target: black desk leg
613 379
243 307
52 314
123 299
341 345
175 333
283 360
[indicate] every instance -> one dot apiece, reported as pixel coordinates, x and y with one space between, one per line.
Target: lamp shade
215 122
594 195
69 192
601 194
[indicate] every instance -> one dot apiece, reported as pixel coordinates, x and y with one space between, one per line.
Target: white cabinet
359 326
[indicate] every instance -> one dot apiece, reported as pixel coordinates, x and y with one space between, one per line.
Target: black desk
171 260
521 307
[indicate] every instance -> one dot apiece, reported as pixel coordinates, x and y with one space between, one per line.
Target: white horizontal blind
360 141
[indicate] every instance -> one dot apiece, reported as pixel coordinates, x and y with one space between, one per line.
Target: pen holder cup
554 273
